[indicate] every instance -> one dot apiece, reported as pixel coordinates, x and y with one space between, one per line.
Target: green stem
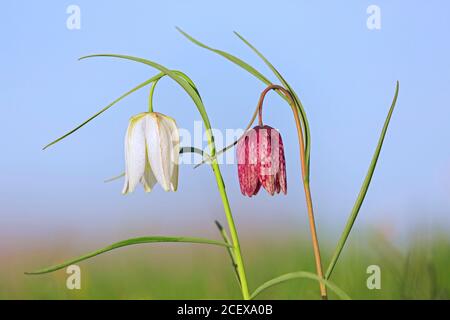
192 91
234 235
150 96
223 194
227 240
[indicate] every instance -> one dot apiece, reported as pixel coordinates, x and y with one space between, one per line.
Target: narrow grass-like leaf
115 178
190 90
140 240
244 65
363 191
228 56
301 275
295 96
227 240
143 84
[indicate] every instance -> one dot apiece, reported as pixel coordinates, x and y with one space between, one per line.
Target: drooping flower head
151 152
261 161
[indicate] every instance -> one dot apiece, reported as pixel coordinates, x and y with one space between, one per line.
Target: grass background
417 269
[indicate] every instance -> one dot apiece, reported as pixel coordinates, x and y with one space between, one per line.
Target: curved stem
150 96
227 240
234 235
223 194
221 186
236 248
300 275
312 224
187 84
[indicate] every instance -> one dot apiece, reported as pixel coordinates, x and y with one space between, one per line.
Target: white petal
134 153
169 125
162 140
174 179
148 179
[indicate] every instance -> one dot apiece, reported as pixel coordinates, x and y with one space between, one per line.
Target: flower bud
261 161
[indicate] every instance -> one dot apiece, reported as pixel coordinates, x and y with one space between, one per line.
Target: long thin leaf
191 91
228 56
143 84
133 241
227 240
244 65
363 191
300 275
115 178
295 96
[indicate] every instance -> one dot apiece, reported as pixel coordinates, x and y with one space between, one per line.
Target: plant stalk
308 198
150 95
234 235
221 186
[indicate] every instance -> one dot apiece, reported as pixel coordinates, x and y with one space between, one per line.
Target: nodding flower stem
222 190
312 224
150 96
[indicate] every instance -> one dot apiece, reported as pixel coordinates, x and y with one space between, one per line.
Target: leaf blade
141 85
128 242
241 63
191 91
363 190
299 275
297 101
244 65
231 254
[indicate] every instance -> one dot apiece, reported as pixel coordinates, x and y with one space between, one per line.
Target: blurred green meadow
418 269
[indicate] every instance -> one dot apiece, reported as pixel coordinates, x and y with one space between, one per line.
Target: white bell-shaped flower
152 146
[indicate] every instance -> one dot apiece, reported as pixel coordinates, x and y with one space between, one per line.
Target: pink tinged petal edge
282 173
267 170
246 152
261 162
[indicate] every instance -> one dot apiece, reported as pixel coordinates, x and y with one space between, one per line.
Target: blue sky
344 73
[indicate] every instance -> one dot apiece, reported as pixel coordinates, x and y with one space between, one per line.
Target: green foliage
124 243
416 270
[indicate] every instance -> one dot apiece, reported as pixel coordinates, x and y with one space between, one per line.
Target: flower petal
171 126
247 157
174 179
282 178
267 170
148 179
134 153
162 141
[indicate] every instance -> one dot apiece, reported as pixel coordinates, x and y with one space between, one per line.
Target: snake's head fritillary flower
261 162
151 152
